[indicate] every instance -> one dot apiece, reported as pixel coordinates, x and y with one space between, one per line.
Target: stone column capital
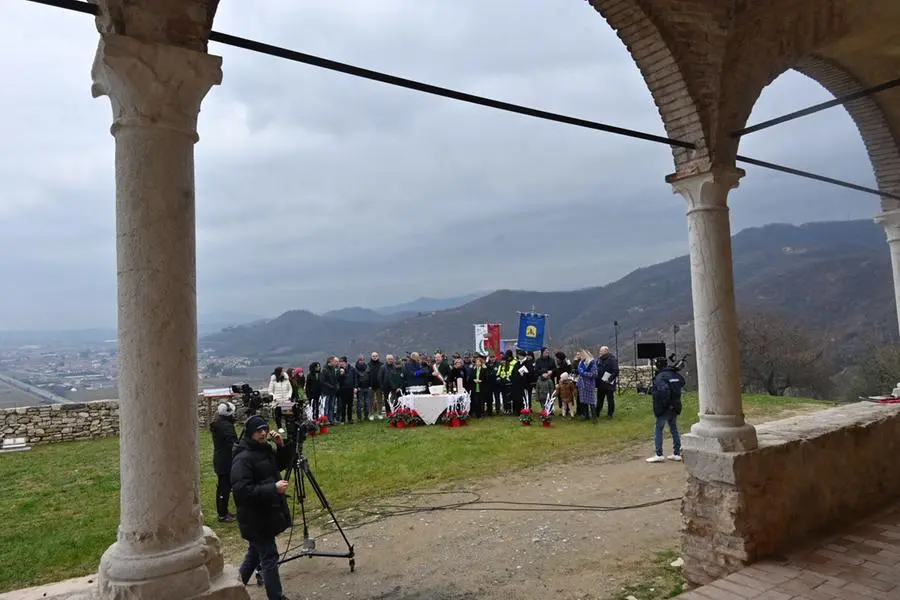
707 190
153 85
890 220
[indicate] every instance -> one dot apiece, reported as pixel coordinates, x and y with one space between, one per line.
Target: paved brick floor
863 563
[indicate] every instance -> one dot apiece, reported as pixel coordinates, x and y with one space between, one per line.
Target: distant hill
427 305
61 338
295 334
364 315
835 277
78 338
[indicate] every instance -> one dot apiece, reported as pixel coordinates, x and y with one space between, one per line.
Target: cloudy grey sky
383 189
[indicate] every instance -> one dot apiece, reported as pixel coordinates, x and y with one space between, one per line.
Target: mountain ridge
810 272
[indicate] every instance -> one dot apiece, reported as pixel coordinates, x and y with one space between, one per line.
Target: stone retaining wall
48 424
810 474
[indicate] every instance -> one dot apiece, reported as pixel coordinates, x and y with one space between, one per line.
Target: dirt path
488 555
457 555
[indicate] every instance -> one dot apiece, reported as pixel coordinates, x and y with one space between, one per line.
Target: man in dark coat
666 391
224 438
390 379
378 393
607 379
262 509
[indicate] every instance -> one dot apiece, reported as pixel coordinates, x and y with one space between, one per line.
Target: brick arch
882 141
664 77
769 38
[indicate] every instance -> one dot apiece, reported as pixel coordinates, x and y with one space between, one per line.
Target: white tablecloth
429 407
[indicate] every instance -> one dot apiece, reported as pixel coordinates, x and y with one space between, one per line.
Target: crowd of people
250 468
498 385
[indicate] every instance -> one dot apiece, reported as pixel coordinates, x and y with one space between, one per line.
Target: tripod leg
300 491
321 496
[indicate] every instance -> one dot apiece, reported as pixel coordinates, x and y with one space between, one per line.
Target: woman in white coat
281 391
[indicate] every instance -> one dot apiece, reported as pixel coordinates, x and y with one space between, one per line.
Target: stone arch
675 100
773 36
881 140
767 42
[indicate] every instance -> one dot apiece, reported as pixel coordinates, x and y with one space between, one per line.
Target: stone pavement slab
862 562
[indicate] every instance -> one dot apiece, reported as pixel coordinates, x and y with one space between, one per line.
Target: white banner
481 336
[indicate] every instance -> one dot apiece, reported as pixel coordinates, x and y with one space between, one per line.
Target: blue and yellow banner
531 331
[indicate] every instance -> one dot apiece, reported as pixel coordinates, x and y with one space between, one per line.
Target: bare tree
876 375
779 357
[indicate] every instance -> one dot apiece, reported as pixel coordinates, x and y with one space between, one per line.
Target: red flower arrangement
525 417
546 418
412 417
404 417
451 418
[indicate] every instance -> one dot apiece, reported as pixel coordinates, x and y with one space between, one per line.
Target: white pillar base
186 572
720 438
225 586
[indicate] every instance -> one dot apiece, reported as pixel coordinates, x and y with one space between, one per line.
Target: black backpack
666 392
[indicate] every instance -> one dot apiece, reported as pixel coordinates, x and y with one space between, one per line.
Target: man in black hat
259 493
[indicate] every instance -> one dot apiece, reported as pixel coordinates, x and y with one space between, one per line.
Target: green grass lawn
59 504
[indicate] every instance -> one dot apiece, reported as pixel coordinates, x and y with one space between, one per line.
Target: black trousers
610 397
514 399
223 494
316 407
480 403
345 405
262 555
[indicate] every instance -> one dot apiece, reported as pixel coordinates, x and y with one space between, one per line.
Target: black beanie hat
255 423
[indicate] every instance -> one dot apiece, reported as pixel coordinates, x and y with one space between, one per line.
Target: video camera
677 364
672 362
250 398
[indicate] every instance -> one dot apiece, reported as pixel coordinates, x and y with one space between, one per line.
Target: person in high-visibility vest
512 383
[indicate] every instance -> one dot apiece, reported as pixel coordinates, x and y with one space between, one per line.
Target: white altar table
431 406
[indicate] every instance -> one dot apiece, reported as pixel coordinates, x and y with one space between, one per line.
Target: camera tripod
302 474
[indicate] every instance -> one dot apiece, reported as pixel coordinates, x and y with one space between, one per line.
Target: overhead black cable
76 5
818 107
324 63
238 42
815 176
316 61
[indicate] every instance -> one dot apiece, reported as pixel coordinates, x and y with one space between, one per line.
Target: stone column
890 220
162 548
722 426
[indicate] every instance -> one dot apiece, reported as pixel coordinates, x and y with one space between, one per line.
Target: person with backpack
666 391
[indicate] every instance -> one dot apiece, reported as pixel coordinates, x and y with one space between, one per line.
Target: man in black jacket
224 438
607 378
377 400
262 509
666 391
390 380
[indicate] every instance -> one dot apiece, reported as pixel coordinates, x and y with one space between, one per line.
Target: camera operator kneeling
262 509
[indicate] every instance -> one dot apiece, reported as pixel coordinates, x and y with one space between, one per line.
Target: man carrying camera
262 509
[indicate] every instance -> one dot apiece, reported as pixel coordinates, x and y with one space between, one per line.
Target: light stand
616 328
635 371
302 474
